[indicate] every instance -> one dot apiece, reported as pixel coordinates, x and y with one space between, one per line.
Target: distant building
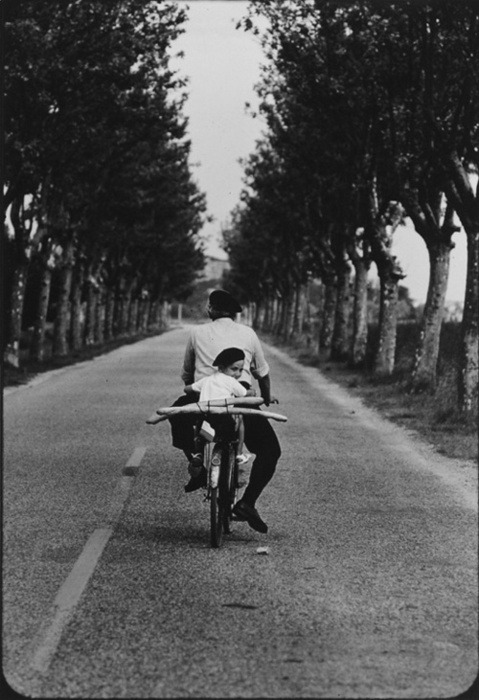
211 277
214 268
453 311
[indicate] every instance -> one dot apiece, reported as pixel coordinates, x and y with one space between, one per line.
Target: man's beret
224 301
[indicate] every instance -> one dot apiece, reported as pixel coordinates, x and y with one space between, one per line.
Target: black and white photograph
240 305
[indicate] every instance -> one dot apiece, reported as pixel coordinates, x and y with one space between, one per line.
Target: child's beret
228 357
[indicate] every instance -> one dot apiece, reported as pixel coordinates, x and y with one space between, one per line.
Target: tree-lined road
112 590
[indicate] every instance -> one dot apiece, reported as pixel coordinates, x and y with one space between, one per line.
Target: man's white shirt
208 340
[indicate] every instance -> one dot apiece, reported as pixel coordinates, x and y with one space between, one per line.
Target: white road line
118 499
136 457
63 608
68 596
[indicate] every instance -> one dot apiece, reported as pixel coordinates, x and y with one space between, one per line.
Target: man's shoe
244 511
197 482
196 464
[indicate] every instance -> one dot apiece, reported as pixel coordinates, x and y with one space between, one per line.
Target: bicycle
219 455
219 459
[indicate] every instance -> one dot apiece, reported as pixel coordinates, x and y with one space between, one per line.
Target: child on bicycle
220 385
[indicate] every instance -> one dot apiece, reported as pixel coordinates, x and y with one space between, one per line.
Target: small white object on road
262 550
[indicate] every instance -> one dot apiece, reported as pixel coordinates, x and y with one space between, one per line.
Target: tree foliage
371 114
97 154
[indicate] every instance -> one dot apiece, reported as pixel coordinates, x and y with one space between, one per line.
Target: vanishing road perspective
364 586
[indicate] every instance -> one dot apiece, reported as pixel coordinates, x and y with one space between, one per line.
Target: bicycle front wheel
227 484
216 503
216 518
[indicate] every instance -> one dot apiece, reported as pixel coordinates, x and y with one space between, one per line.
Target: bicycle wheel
216 519
227 484
216 509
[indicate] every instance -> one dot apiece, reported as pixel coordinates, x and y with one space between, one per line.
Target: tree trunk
385 355
133 317
145 312
257 321
267 317
277 316
425 213
469 350
251 313
159 314
329 311
320 316
340 338
273 312
290 317
62 316
299 311
465 200
118 312
22 247
38 350
284 318
76 330
125 309
244 317
100 316
359 340
427 351
273 315
154 316
381 222
165 310
143 315
12 349
260 315
90 319
306 321
139 315
109 313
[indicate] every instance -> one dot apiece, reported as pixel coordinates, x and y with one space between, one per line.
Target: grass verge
432 417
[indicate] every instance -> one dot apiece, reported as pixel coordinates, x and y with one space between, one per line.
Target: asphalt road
110 587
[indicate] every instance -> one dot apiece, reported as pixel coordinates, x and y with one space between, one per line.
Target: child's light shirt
218 386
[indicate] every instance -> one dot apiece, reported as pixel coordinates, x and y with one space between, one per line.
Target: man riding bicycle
206 341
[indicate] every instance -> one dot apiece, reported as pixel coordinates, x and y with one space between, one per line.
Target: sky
223 65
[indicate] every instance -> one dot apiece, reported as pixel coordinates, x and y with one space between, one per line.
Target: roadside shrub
406 341
449 345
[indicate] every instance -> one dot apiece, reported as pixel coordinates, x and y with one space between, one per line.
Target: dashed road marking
68 597
118 499
133 464
136 457
63 607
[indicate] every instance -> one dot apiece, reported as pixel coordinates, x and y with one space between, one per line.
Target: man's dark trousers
260 439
